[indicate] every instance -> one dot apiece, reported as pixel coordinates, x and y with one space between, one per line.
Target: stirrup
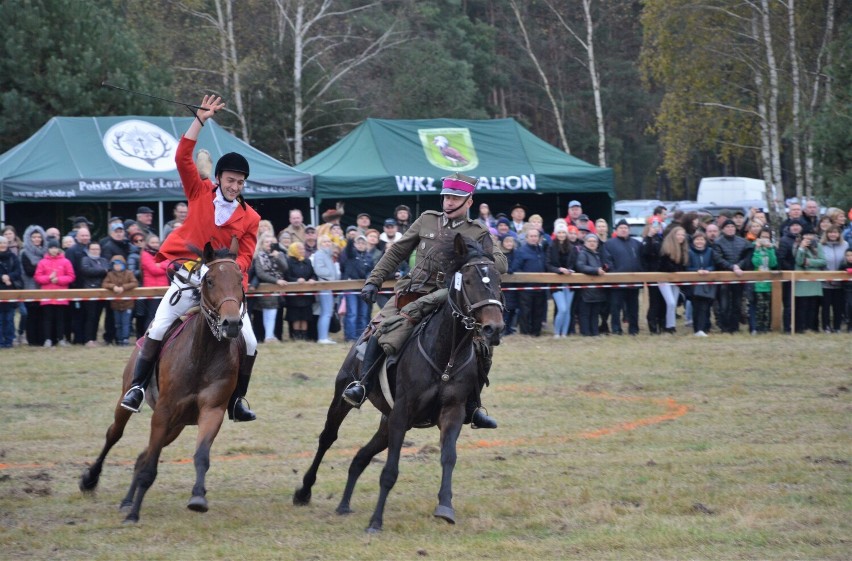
141 403
232 411
491 423
352 402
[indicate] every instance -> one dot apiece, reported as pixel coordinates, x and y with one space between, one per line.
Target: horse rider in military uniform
432 226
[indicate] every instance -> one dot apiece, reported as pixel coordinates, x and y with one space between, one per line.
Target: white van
727 190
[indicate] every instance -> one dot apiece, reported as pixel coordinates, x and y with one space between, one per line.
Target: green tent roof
127 158
392 158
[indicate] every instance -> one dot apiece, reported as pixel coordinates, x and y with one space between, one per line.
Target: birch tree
222 23
557 111
589 46
325 40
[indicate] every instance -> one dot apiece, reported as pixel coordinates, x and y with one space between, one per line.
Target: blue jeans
326 302
122 324
7 325
563 298
357 317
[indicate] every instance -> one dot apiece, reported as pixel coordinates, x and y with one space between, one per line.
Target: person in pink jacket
54 272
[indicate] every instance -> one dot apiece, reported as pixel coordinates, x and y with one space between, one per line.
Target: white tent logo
141 145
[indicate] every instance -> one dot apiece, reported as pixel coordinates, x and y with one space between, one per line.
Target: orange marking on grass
673 411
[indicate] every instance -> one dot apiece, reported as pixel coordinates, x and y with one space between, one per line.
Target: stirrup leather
129 408
352 402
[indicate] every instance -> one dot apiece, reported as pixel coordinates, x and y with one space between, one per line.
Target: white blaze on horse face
458 281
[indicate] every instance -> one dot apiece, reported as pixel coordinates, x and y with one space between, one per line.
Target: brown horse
196 377
434 375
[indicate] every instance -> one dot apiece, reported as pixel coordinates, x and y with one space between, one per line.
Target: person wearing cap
432 226
218 213
145 219
518 214
731 253
310 242
575 213
78 222
363 221
402 214
390 233
622 254
54 272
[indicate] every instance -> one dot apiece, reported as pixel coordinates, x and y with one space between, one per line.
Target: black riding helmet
232 162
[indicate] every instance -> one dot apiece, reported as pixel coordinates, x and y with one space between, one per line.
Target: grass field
614 448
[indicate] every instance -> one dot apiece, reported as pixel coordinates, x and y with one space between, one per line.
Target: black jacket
588 263
623 255
730 251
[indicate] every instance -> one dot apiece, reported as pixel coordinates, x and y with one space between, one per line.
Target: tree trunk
765 142
772 68
810 174
557 113
596 82
237 89
797 99
298 105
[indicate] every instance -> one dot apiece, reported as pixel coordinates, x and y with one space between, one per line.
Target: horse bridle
463 311
211 312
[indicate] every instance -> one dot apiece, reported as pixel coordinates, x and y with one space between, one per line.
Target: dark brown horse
435 374
196 377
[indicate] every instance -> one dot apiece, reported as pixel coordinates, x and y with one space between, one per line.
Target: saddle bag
395 331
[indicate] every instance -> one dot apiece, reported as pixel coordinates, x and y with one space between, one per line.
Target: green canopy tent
384 162
127 158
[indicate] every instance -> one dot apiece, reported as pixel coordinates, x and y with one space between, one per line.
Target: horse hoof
343 510
87 482
198 504
124 507
373 530
445 512
301 498
131 519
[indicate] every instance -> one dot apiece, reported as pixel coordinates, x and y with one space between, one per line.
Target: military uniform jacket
422 236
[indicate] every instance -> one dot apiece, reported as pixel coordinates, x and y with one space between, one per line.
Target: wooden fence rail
576 280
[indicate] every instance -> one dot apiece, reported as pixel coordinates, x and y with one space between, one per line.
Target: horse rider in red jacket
216 213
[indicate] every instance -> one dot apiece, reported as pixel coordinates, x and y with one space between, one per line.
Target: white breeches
168 313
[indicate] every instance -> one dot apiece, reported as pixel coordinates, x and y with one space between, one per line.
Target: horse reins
211 313
470 324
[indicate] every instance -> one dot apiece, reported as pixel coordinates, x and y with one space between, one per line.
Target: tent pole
314 215
2 214
160 214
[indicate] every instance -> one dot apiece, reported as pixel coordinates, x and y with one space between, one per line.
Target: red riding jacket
200 226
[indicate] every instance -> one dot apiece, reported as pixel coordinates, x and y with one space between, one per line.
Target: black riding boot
357 391
142 372
479 418
238 409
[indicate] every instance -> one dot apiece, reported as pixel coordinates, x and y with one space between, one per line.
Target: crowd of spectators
303 253
670 243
